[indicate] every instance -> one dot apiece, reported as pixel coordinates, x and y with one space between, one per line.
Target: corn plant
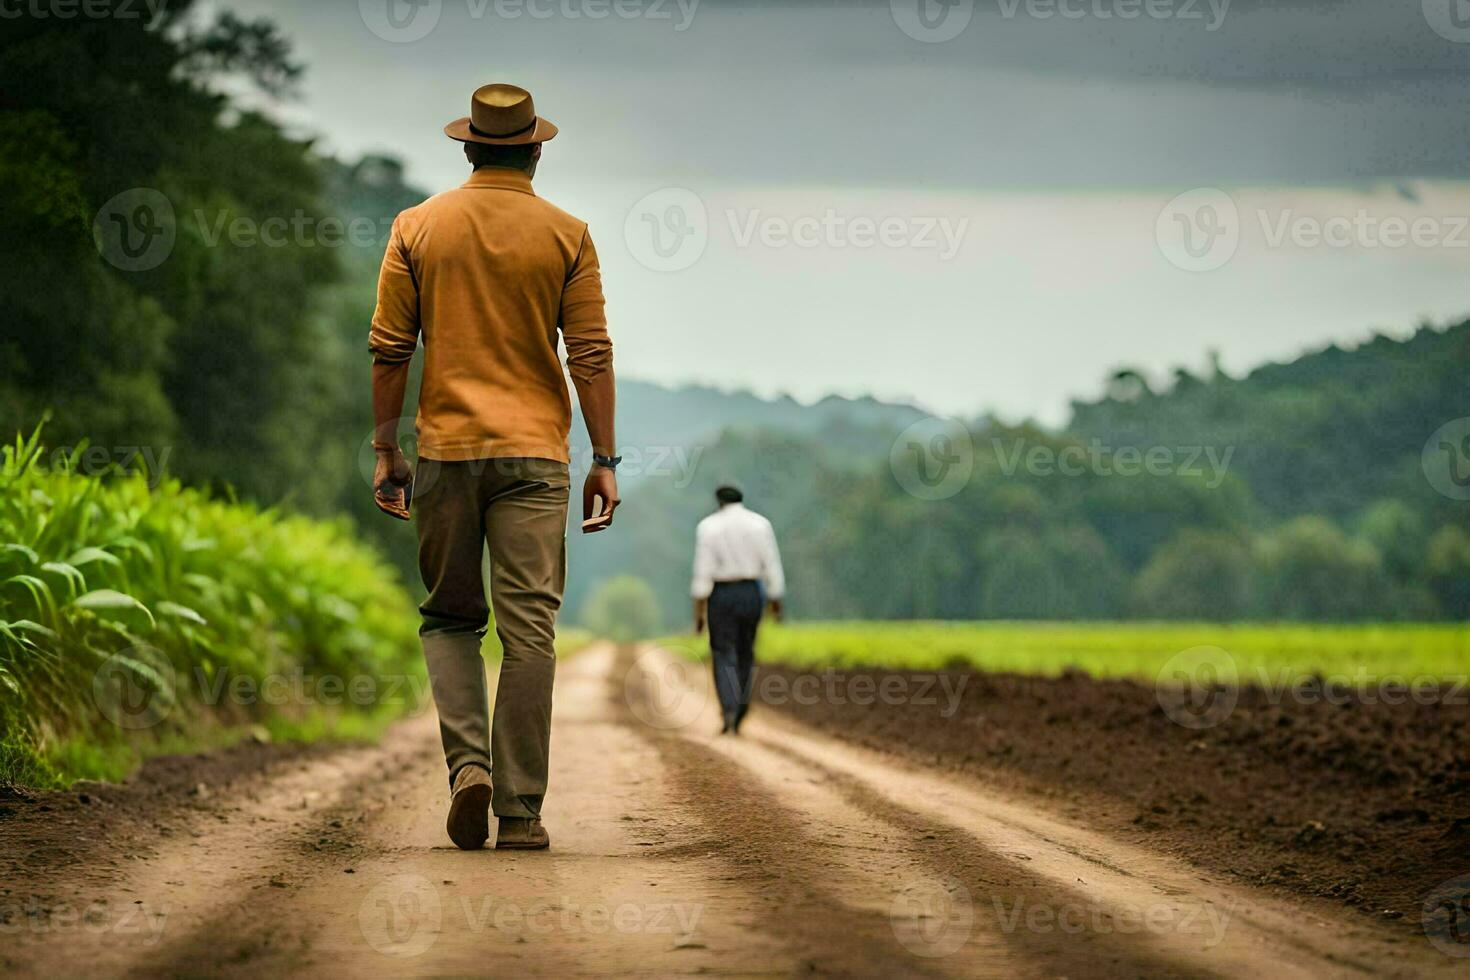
106 581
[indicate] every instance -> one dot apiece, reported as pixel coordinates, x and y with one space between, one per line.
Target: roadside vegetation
137 620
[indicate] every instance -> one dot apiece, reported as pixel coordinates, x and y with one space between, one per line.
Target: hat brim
541 132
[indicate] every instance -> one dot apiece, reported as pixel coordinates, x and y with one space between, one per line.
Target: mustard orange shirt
490 274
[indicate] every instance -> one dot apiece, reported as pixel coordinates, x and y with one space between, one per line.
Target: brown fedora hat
503 115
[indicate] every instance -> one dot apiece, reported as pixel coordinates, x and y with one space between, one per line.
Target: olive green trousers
515 512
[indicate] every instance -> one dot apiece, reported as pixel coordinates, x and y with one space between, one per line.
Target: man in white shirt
737 571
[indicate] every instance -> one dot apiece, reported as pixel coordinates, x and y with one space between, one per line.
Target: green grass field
1261 652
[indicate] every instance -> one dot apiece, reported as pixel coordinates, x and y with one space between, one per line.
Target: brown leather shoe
522 834
469 808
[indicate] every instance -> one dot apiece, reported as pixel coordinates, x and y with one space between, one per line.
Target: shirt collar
501 178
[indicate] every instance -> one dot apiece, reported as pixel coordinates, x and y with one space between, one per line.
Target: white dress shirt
734 544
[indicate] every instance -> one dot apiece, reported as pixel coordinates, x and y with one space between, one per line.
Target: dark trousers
734 614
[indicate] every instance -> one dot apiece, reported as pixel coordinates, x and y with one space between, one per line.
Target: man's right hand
601 484
391 474
700 605
777 611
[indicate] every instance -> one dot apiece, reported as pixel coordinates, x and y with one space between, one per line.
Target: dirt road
674 852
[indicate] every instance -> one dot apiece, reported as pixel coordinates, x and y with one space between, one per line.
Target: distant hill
1330 432
653 418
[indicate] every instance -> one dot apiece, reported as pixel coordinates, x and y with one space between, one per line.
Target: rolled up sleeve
395 329
583 317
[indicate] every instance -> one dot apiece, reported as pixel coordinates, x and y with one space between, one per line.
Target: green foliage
1314 571
111 591
1448 569
623 609
1200 575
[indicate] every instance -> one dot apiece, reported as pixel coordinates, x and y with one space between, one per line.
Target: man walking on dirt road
489 274
737 570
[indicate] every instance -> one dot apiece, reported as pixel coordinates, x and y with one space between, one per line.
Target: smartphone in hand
600 519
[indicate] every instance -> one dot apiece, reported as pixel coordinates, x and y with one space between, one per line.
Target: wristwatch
611 462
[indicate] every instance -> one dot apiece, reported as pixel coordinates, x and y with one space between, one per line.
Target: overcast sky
970 209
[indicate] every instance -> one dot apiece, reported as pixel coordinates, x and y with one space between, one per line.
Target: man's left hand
601 482
391 474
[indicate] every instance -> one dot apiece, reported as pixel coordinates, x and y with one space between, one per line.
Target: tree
623 609
1448 567
1315 572
1399 534
1197 574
